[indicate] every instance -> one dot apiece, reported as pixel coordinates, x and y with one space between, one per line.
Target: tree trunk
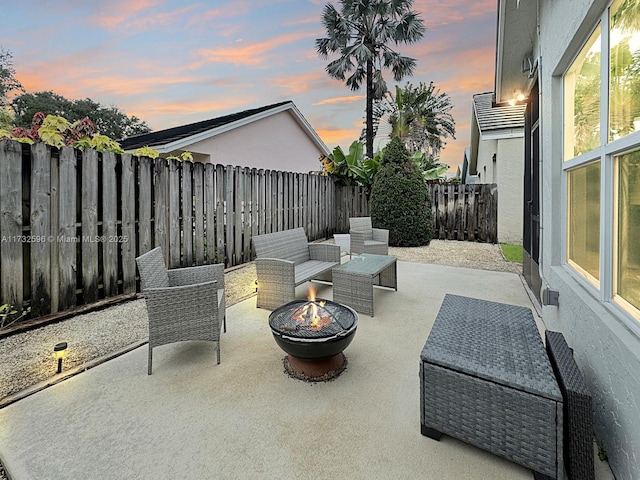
369 112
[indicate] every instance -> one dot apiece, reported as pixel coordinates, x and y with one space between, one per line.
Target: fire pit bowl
314 333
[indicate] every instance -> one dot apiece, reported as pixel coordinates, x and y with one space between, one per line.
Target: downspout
543 282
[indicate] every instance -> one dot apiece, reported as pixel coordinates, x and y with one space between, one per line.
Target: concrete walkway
246 419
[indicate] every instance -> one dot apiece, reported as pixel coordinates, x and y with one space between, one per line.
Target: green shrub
400 200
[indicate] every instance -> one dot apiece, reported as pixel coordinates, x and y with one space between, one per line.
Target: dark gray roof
162 137
496 117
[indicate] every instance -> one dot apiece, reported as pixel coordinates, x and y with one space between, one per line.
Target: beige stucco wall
506 172
484 165
277 142
510 170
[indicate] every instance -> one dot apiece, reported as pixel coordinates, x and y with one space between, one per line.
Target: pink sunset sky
172 62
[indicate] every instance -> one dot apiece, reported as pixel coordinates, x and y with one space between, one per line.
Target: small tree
400 199
108 121
364 35
8 81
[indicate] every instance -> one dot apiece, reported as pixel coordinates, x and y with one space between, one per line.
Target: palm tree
360 32
420 116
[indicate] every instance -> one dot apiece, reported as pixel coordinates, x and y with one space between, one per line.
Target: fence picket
210 212
40 252
219 213
161 196
67 233
11 267
186 209
199 221
174 202
109 224
126 240
89 227
248 214
145 204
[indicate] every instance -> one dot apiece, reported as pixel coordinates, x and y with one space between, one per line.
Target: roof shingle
497 117
162 137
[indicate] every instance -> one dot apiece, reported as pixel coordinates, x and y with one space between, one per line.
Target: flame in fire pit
312 314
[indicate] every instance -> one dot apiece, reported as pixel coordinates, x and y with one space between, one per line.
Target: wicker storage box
485 379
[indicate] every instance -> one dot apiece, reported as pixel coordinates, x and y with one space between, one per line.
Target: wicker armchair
366 239
182 303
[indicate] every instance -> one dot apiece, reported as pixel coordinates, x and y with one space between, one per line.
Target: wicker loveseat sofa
285 260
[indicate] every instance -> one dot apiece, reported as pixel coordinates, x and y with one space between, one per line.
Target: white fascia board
309 129
186 141
502 134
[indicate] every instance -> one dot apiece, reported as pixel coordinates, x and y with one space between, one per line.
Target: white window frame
605 154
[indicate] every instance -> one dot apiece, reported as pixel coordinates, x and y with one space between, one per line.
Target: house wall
484 166
606 344
506 172
510 169
277 142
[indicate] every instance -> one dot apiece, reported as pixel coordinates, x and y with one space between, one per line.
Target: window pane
624 65
582 100
583 231
628 241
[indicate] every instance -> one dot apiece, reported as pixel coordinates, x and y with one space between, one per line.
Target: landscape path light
60 351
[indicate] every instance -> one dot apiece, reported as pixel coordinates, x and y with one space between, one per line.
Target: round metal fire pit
314 334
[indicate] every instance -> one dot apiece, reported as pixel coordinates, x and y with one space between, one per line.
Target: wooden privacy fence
466 212
72 222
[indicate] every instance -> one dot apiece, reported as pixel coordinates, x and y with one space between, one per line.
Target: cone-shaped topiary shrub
400 200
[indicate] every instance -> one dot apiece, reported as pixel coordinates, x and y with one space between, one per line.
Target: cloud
436 13
171 114
339 100
312 80
247 54
333 137
117 15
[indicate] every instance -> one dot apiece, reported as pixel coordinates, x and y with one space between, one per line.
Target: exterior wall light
517 98
60 351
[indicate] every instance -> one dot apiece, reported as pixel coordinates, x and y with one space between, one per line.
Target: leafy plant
431 169
400 199
183 157
9 315
146 151
351 168
602 452
57 131
52 130
102 143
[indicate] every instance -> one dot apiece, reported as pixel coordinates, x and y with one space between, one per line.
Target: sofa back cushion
287 245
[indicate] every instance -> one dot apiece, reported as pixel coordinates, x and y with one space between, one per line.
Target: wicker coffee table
353 281
485 378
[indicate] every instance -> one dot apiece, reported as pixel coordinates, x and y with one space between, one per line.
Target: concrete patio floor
246 419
